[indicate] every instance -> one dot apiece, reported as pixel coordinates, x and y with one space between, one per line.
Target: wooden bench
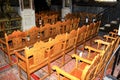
41 54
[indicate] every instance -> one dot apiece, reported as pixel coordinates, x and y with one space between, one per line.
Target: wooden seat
77 73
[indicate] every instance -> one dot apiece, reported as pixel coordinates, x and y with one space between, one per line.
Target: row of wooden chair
46 17
94 63
85 18
42 53
29 37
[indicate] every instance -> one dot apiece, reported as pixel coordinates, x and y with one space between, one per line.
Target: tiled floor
11 73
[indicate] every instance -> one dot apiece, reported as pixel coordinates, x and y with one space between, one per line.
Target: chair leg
63 60
28 76
10 61
19 71
49 67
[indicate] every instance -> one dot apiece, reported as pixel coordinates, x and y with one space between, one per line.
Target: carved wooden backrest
103 56
89 30
75 23
32 35
83 16
59 27
61 37
81 34
53 30
42 33
52 18
71 39
45 31
35 55
57 48
17 37
69 25
64 26
96 27
89 75
45 19
18 43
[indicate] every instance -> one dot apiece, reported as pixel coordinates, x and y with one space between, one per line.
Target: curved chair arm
116 30
109 37
20 56
99 41
81 59
60 71
92 49
112 33
3 42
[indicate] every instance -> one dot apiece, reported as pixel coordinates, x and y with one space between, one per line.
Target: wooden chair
102 49
56 50
13 42
31 59
83 72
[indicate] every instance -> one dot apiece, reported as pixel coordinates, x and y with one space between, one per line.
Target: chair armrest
82 59
112 33
20 56
60 71
3 42
92 49
109 37
102 42
116 30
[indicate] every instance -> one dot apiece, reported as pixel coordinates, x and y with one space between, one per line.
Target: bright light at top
106 0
